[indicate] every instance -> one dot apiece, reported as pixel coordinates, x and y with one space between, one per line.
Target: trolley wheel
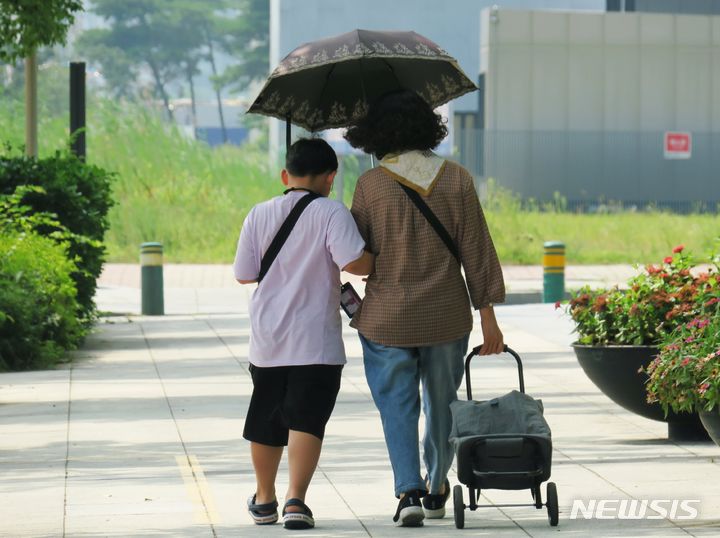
459 507
552 504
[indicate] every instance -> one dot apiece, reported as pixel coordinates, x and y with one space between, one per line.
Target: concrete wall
578 103
608 72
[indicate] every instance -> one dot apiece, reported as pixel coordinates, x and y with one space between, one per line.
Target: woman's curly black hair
398 121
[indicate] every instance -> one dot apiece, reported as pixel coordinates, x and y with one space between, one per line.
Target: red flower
686 361
557 305
652 270
600 303
678 249
668 259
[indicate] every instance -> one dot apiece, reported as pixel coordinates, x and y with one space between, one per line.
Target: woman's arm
364 265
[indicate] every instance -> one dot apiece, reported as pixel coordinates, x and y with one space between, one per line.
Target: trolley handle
506 349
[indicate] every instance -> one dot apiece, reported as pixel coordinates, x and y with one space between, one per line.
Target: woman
415 319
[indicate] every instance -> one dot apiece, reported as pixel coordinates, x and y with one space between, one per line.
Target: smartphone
349 299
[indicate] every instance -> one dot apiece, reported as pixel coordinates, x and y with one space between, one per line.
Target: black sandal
262 514
297 520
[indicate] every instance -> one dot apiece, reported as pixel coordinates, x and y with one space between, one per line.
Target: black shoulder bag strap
433 220
283 233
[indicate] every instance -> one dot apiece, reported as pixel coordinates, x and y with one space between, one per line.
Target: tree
119 70
247 39
174 38
194 16
149 32
25 26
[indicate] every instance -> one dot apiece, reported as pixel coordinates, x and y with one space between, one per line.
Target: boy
296 350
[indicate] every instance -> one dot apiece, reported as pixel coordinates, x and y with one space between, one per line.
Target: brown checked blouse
417 295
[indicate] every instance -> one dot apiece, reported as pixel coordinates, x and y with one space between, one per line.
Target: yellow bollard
553 271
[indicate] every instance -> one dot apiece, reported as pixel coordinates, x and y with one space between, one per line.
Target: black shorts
299 398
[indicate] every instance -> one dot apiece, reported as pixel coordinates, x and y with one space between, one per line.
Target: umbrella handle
288 133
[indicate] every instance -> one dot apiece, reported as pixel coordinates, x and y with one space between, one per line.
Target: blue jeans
394 375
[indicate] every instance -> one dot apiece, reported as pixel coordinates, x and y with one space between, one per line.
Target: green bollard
151 266
553 271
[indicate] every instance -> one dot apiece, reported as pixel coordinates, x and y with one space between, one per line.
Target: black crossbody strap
433 220
283 233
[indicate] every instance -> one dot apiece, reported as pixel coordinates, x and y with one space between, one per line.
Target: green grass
599 239
193 198
620 237
170 189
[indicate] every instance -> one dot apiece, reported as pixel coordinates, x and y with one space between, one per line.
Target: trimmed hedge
38 308
79 195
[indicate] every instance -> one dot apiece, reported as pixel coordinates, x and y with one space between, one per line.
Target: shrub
685 376
38 307
78 194
655 303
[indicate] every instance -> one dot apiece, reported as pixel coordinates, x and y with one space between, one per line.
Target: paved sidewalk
141 436
200 289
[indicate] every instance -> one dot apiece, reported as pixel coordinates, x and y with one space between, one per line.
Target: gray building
580 104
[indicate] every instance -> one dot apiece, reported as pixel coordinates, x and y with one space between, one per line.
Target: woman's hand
492 336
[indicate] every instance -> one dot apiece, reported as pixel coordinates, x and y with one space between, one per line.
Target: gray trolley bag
502 443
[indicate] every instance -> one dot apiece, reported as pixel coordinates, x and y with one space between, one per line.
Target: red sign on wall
677 145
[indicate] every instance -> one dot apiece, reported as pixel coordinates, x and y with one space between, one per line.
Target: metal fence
593 170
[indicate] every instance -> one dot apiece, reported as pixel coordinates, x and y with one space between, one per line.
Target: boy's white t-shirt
295 310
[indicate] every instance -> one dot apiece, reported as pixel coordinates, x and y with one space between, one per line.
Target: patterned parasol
329 83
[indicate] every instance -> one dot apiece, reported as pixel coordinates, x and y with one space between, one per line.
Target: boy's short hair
310 157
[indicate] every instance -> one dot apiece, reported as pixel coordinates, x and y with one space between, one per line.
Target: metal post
151 262
77 108
553 271
31 116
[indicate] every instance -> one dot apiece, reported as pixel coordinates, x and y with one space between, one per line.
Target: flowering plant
685 376
656 301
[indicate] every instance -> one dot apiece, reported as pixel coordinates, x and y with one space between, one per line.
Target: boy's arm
345 244
364 265
246 265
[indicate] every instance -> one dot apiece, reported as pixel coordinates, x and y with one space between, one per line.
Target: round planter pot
615 371
711 421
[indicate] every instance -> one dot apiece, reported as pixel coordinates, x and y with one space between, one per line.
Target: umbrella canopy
329 83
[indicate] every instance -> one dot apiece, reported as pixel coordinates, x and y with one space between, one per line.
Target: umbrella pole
362 85
288 133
